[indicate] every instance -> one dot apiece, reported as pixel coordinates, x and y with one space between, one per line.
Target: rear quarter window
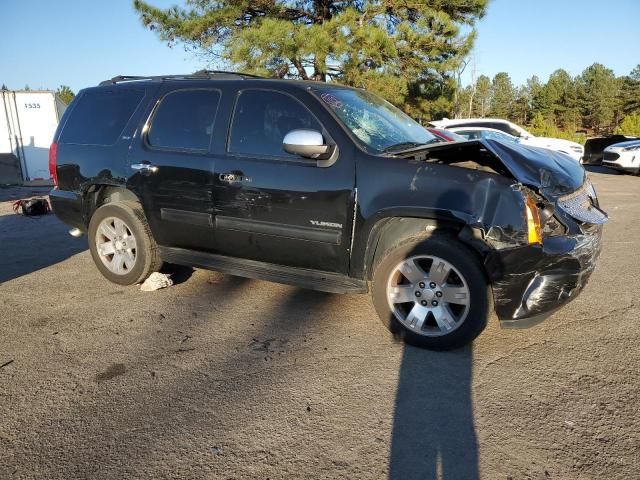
100 116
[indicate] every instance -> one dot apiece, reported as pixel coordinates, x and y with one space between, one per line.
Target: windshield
517 131
374 121
496 135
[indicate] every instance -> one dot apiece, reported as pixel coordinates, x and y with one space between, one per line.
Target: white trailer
28 121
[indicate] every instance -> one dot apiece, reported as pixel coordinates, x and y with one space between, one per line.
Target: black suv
324 187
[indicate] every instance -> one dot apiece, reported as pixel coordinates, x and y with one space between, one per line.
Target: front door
274 206
173 169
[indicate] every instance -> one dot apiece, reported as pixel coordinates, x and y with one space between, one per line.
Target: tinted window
504 127
100 116
184 120
469 134
468 124
262 119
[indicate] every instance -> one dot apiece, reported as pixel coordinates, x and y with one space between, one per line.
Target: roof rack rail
202 74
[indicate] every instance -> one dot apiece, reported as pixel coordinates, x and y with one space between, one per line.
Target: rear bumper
68 207
530 283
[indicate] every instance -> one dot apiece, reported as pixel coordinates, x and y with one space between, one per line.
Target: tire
133 241
449 324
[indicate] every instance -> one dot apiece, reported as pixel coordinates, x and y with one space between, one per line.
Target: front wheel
431 292
121 243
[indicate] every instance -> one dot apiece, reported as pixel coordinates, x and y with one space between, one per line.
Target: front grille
611 156
579 205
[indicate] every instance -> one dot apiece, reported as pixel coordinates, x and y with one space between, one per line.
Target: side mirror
306 143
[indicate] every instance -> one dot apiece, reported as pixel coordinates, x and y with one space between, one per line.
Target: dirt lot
221 377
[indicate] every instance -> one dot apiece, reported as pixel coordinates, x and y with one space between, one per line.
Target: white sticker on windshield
331 100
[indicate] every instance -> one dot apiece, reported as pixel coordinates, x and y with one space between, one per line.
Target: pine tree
629 97
482 102
502 96
392 47
597 92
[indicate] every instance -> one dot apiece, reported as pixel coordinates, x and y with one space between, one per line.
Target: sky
45 43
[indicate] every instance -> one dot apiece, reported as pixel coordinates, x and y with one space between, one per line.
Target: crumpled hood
552 173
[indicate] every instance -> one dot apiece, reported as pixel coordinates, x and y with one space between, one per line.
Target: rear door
277 207
173 169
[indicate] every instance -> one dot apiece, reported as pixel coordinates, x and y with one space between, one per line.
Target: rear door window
261 120
184 120
469 134
100 116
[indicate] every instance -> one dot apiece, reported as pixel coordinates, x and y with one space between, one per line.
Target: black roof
202 75
212 75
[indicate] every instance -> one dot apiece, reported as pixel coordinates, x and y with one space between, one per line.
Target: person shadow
433 433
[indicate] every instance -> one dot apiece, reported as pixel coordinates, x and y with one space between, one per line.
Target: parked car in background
624 156
445 135
573 149
594 147
477 133
324 187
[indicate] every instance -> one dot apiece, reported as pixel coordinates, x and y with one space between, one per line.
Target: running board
301 277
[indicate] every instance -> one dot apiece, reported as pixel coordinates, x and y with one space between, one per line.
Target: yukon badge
318 223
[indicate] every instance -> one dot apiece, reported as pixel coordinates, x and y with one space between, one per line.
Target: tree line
411 53
63 92
596 101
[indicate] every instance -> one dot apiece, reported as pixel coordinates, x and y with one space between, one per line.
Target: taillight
533 221
53 160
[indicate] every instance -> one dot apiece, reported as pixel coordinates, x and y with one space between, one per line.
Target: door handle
144 168
231 177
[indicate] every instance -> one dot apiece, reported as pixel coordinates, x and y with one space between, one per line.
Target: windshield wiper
402 146
398 147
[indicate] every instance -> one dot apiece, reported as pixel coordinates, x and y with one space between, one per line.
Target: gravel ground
220 377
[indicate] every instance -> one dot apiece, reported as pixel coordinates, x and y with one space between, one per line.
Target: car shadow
179 273
601 169
44 242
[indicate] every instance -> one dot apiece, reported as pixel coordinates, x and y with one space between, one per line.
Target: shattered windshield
374 121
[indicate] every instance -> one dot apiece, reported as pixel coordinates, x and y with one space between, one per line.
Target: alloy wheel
428 295
116 245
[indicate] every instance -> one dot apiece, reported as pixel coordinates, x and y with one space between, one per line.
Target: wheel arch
97 195
388 231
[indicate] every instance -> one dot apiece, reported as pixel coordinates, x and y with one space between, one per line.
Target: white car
475 133
573 149
623 156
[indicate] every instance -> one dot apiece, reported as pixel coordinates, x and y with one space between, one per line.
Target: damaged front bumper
531 282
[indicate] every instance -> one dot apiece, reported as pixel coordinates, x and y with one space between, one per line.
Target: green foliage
630 92
542 127
412 53
630 125
597 90
482 100
595 101
405 51
65 94
502 95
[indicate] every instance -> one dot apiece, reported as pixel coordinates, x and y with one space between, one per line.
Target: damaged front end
542 259
531 281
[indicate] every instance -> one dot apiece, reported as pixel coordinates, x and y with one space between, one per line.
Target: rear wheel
121 243
431 292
